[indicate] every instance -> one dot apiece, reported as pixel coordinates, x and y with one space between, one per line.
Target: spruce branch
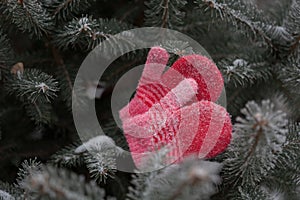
164 13
65 9
285 177
141 181
242 73
292 20
54 183
257 140
100 154
5 196
86 33
29 16
248 194
197 176
10 192
66 156
33 85
289 74
225 12
35 89
192 179
27 167
39 181
39 112
290 148
276 9
138 184
101 165
258 193
276 37
292 24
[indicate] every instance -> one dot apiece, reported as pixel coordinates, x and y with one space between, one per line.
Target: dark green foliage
66 157
27 167
66 76
289 179
290 75
9 192
29 16
35 89
32 85
47 182
164 13
268 142
255 44
293 18
276 38
86 33
100 159
262 126
101 165
6 53
239 73
66 9
192 179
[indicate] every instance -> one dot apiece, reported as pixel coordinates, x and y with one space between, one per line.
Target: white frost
100 142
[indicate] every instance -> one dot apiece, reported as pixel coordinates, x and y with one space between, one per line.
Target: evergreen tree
255 44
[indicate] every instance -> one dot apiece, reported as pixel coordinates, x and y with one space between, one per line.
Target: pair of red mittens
175 109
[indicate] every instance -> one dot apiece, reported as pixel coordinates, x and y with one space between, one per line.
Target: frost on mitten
212 134
173 109
158 126
149 90
202 70
154 84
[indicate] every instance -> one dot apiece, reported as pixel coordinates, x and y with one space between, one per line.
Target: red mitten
157 126
153 84
167 109
213 133
202 70
149 90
